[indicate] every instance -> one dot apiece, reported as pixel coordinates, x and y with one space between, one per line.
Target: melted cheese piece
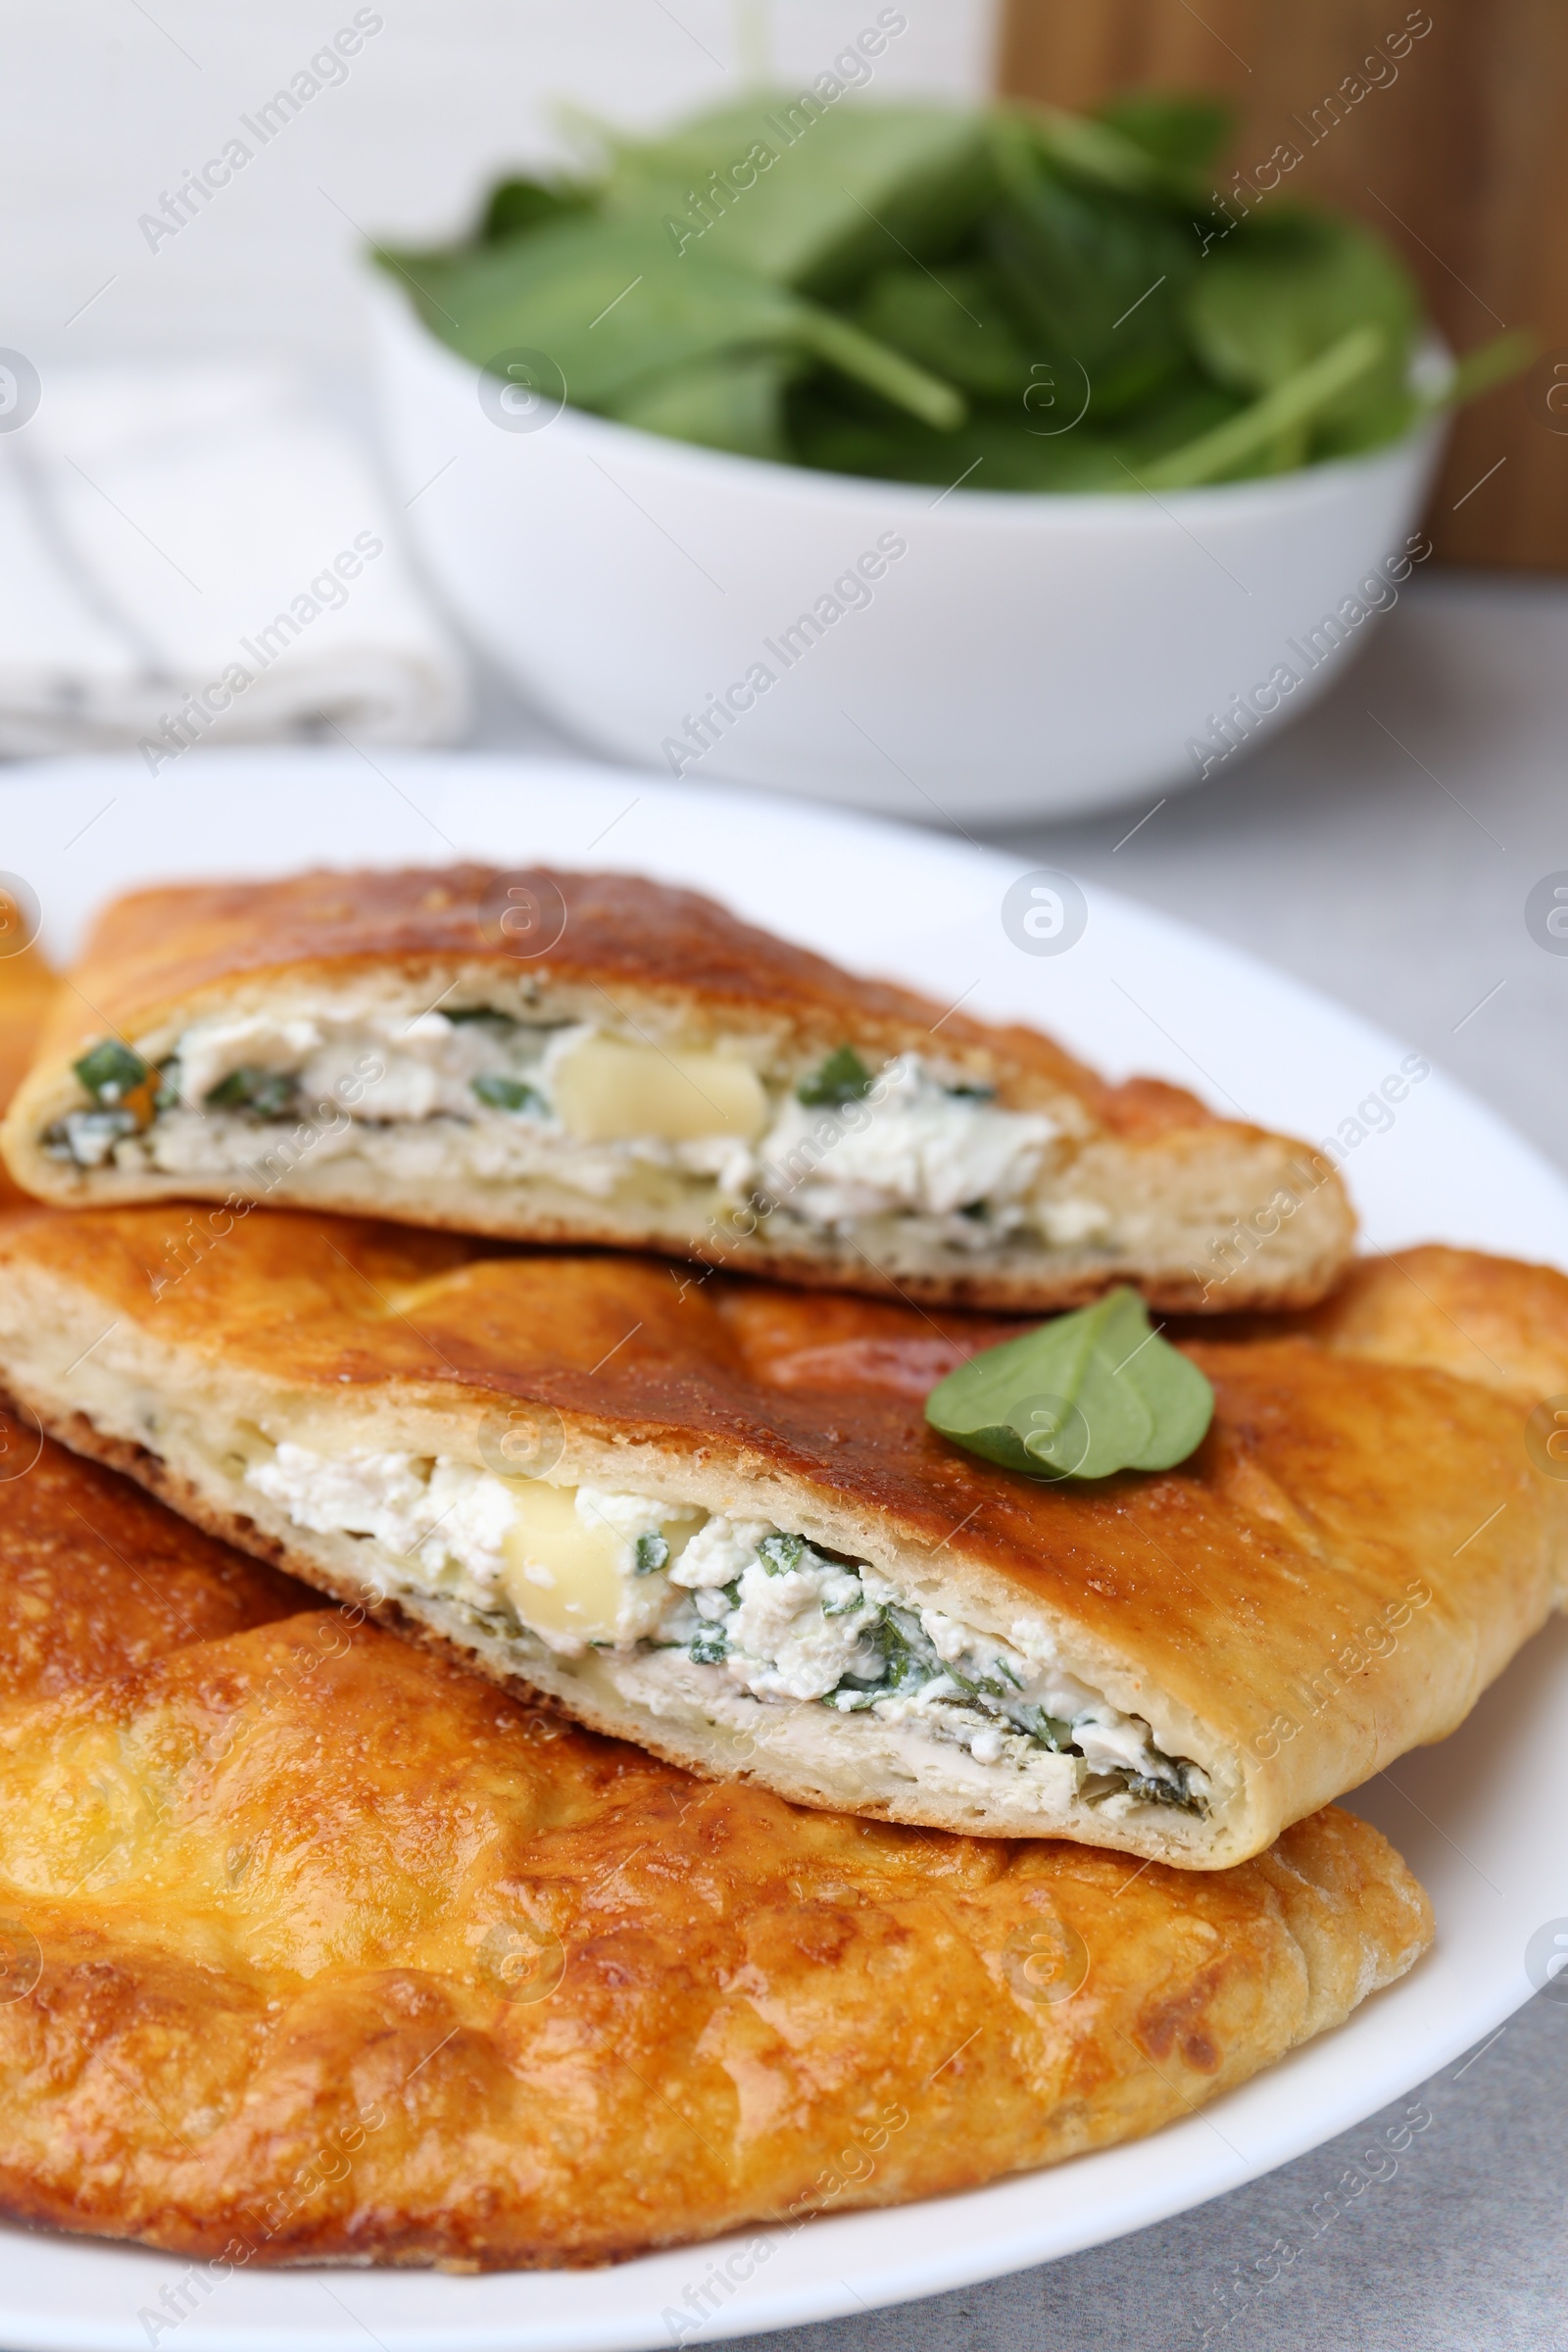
562 1575
608 1091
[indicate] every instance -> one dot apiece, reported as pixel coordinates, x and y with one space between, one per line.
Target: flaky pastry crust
1356 1549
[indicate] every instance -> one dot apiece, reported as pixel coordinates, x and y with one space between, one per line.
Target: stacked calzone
317 1950
711 1516
598 1058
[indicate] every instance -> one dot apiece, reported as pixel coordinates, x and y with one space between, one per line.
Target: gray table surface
1383 850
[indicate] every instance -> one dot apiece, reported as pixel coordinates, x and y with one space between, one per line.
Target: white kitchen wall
108 105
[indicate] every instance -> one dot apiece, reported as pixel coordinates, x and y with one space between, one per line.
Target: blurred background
1383 847
1454 152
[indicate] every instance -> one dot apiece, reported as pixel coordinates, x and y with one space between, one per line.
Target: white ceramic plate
1479 1818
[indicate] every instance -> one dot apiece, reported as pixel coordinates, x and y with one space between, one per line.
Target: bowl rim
1303 486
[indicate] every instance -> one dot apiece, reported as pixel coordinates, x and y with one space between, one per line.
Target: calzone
709 1516
600 1059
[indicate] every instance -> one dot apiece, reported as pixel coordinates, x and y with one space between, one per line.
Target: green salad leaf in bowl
1015 298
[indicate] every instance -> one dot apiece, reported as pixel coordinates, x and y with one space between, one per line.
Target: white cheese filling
505 1100
760 1608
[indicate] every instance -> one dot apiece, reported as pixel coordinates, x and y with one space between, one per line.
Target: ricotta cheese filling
767 1614
501 1099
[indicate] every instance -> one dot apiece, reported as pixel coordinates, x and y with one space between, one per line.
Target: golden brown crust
27 986
637 951
349 1959
161 948
1356 1549
94 1578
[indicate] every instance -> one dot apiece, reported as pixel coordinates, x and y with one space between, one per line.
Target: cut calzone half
596 1058
711 1516
317 1950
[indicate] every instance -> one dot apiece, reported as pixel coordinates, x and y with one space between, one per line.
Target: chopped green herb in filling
910 1662
770 1626
260 1094
651 1553
509 1093
110 1072
842 1078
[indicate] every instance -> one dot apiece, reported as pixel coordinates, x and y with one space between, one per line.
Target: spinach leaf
1097 278
1082 1396
517 205
109 1071
261 1094
807 193
1183 133
910 292
958 322
612 305
652 1553
508 1094
734 401
842 1078
1482 370
908 1651
1000 446
1302 397
1262 308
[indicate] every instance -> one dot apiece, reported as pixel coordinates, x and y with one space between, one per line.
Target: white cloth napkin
193 555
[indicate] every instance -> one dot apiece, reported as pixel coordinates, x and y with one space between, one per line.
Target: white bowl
1025 655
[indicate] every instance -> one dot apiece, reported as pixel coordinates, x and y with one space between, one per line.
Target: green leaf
1000 447
1483 368
874 290
1314 389
613 306
1084 1395
1183 134
1087 150
110 1072
780 1554
807 193
263 1094
1097 278
1265 304
957 322
508 1094
516 206
842 1078
652 1553
734 401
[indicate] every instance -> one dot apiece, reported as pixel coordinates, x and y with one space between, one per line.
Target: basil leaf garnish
1084 1395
